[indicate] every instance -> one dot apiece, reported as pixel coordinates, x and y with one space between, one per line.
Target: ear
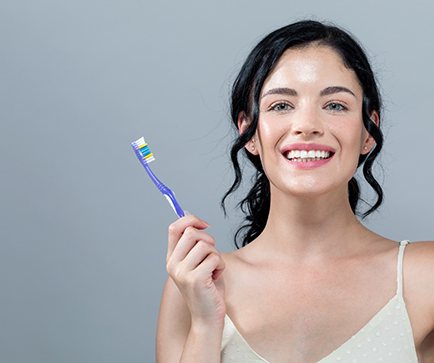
243 124
369 142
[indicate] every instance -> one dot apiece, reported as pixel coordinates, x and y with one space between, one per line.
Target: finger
188 241
217 273
197 254
177 228
212 262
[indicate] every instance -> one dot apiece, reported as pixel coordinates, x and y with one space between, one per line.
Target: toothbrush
145 156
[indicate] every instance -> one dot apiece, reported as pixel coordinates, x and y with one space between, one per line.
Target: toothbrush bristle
143 149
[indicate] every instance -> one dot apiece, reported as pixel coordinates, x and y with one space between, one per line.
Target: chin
309 188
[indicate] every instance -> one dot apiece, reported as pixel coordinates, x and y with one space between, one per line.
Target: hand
196 267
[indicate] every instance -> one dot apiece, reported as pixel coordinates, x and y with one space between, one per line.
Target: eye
337 107
280 107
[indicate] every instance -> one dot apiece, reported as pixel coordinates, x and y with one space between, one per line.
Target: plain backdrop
82 229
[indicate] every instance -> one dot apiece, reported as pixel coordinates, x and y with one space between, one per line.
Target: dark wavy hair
245 98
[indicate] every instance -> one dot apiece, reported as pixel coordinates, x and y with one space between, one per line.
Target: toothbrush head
142 150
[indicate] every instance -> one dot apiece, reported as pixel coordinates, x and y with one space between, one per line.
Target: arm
177 340
427 348
426 269
191 318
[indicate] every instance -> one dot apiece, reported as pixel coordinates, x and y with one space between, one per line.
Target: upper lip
307 147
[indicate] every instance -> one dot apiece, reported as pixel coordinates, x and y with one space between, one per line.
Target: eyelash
343 108
278 104
285 104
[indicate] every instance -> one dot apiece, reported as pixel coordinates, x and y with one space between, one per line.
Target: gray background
83 230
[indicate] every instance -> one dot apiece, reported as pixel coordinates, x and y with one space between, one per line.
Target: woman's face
310 131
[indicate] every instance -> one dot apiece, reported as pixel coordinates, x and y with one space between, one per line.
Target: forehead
314 66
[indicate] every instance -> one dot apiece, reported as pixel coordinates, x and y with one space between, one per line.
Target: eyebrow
335 89
292 92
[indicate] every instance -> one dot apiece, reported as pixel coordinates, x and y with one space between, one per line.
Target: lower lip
309 164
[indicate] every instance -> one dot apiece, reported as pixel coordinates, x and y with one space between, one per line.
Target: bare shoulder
420 256
231 257
236 276
232 262
427 246
236 263
173 324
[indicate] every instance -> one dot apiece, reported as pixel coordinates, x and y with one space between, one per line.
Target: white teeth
311 154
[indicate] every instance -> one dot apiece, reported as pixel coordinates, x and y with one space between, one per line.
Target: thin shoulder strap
399 267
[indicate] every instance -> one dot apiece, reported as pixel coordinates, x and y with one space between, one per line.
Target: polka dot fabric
386 338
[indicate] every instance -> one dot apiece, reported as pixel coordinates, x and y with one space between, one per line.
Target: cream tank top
387 337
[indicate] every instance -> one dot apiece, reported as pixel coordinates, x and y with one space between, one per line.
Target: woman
311 283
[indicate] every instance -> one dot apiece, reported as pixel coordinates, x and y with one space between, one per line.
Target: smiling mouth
308 155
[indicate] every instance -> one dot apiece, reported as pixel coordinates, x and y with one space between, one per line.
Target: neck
311 228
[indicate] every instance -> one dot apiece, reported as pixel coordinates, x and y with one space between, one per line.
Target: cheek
350 138
264 129
350 133
270 132
266 138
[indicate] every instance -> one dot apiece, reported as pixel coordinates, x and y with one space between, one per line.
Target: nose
307 123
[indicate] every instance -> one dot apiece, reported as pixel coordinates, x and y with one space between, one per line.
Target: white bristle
140 142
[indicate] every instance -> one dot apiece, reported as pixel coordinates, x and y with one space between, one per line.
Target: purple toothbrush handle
170 196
